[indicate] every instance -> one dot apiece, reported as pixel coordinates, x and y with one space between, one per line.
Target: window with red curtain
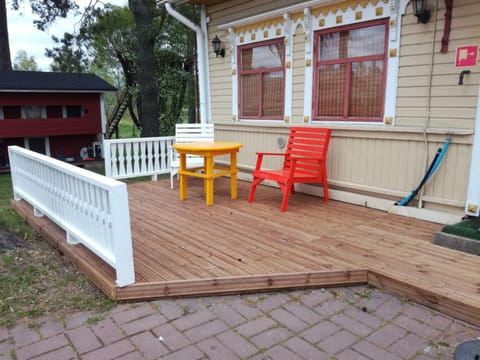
350 68
261 80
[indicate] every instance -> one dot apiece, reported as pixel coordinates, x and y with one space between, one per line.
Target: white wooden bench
189 133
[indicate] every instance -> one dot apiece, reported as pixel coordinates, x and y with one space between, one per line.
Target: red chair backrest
308 142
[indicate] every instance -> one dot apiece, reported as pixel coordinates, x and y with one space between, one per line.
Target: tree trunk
143 13
5 60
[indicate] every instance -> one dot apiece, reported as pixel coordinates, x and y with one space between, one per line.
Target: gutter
201 57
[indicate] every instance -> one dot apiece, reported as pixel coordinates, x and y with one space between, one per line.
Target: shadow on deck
186 248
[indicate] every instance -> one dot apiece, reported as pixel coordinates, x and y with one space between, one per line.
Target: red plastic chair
304 162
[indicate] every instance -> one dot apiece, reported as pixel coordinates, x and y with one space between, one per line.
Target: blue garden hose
431 170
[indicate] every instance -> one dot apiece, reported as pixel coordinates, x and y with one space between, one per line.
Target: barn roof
28 81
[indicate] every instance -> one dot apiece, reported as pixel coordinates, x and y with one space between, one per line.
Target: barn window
350 70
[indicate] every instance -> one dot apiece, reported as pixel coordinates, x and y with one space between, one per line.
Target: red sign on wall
466 56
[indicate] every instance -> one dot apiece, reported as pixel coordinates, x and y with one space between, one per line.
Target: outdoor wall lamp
420 11
217 47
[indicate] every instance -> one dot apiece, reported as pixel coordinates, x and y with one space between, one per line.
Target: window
350 68
12 112
32 112
54 111
74 111
262 80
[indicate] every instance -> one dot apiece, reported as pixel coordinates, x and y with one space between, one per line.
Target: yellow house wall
386 161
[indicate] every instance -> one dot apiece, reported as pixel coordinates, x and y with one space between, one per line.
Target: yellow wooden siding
386 161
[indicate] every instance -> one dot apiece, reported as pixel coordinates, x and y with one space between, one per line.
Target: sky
23 35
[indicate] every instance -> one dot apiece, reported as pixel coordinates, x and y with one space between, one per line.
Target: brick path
335 323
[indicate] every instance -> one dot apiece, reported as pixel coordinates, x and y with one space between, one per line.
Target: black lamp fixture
217 47
420 11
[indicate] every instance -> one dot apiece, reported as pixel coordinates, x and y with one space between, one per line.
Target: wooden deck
186 248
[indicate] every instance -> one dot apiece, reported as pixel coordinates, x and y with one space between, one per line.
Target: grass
35 279
469 228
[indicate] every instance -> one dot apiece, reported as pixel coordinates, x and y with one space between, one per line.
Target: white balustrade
127 158
91 208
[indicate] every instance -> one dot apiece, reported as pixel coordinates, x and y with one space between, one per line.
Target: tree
68 56
24 62
5 60
148 21
48 12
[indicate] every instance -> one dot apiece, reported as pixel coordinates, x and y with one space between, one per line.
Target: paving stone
417 327
270 337
73 321
304 349
351 325
83 339
4 334
192 320
387 335
107 331
228 315
170 309
247 311
389 309
255 326
111 351
350 354
41 347
330 308
320 332
241 347
143 324
51 327
271 302
338 342
203 331
278 353
428 316
149 345
288 320
133 313
6 347
303 312
65 353
373 351
134 355
316 297
216 350
370 320
408 346
190 353
23 335
374 300
171 337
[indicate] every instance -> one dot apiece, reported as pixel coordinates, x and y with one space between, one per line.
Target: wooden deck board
186 248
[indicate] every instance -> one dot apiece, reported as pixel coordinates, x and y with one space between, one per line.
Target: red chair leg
325 188
255 182
287 190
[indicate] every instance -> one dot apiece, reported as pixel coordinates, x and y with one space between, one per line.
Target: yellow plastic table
208 150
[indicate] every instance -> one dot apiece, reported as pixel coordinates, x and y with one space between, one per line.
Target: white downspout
202 68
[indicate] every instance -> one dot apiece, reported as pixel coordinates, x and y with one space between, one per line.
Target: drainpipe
201 56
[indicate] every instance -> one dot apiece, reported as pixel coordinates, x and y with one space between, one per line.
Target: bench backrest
193 133
307 142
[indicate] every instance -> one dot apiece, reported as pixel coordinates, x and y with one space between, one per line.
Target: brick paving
341 323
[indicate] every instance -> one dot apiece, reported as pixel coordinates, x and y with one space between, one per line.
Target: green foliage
24 62
469 228
34 278
67 56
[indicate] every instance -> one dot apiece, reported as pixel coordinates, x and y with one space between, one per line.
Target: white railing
126 158
91 208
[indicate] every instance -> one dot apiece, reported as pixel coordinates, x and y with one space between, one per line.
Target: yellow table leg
208 182
233 174
183 178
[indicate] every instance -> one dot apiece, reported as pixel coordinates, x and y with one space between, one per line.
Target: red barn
57 114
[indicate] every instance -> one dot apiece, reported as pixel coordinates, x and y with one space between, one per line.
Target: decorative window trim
313 15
